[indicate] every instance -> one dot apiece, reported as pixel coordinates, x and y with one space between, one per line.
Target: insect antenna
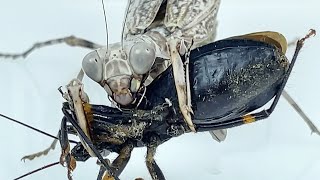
105 21
39 169
33 128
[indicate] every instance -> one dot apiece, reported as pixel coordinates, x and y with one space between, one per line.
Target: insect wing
140 14
269 37
196 19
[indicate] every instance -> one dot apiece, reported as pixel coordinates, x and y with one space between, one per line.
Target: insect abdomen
228 78
235 80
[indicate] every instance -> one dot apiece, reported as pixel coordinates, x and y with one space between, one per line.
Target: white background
280 148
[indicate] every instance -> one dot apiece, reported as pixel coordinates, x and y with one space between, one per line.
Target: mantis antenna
105 20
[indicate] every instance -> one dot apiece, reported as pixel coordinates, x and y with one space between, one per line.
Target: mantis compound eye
93 67
141 57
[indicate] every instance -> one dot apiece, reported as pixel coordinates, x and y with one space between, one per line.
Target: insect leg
264 114
41 153
249 118
119 163
296 107
152 166
180 83
66 157
70 40
294 58
51 147
86 140
195 21
220 135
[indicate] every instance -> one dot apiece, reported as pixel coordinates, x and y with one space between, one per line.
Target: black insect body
229 79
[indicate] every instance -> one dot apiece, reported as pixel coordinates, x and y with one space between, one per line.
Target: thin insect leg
52 146
88 142
44 152
101 173
264 113
294 58
66 157
41 153
296 107
120 162
152 166
70 40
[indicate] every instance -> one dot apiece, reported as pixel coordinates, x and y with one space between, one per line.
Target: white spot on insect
168 101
